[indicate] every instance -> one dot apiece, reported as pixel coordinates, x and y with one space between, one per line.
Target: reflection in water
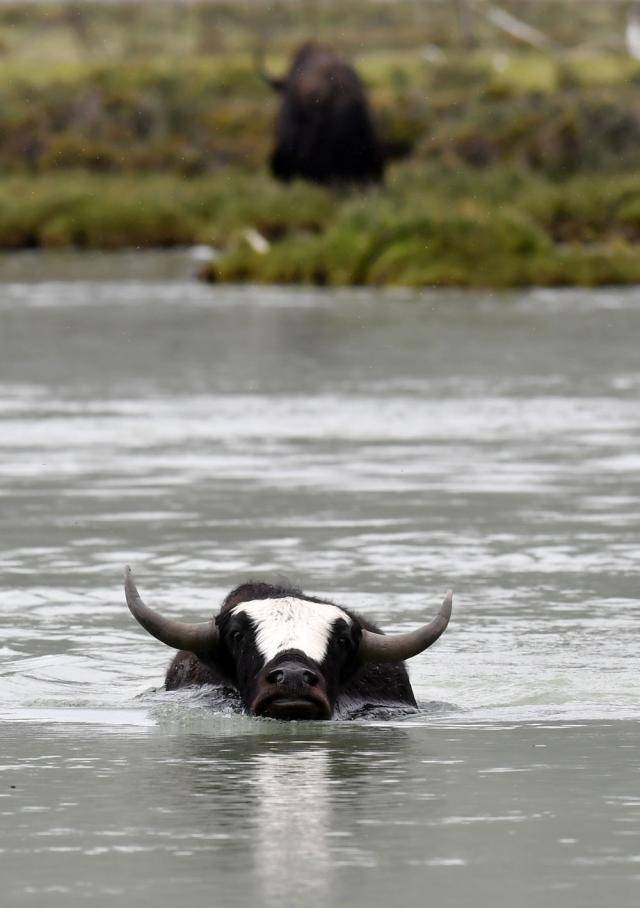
286 816
291 806
293 822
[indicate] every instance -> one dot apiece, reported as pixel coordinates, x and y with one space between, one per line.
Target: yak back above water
324 131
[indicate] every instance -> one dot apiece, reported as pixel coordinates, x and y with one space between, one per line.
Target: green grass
141 125
433 228
91 28
427 226
194 116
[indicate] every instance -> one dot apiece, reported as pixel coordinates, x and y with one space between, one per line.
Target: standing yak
324 131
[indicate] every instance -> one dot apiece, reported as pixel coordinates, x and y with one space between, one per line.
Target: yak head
286 653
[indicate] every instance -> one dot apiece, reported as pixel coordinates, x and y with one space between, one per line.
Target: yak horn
200 639
261 69
397 647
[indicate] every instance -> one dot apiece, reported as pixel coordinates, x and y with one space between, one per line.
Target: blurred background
510 133
375 444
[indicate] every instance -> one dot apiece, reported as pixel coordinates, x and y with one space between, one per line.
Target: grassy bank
147 125
494 227
195 115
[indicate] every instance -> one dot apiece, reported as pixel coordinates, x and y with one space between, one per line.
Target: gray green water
378 448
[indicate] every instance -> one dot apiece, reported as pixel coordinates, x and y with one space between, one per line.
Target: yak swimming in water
325 132
286 655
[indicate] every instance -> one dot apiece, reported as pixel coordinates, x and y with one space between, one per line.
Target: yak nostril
275 677
310 678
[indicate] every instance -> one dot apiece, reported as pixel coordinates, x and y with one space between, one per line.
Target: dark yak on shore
324 131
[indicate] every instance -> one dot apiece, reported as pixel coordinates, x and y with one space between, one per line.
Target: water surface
376 448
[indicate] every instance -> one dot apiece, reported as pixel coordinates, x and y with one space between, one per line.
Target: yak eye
344 642
236 636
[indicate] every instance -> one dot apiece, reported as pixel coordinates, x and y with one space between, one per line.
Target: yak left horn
397 647
200 639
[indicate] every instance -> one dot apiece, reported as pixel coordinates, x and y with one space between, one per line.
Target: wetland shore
142 128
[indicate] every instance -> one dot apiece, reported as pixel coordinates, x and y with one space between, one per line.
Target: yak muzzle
291 690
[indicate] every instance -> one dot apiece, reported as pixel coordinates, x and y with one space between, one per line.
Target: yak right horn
397 647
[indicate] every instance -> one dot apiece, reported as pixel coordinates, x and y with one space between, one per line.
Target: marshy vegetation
135 125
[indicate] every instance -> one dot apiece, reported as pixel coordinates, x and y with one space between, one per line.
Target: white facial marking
290 623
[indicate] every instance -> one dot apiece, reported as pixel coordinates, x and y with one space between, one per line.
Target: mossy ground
495 227
148 126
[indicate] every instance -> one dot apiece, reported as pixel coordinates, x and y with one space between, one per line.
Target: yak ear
276 84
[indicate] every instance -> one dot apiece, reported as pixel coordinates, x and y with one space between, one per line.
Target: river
378 447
